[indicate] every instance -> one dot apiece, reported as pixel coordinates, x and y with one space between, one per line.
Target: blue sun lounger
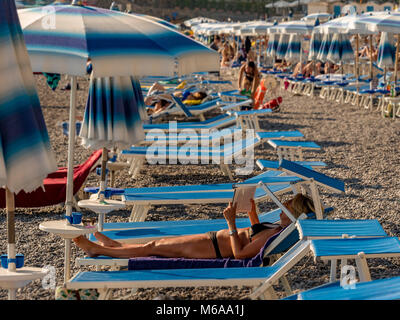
292 150
380 289
274 165
159 154
260 277
217 122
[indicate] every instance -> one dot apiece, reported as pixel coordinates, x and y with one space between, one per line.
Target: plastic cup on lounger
19 261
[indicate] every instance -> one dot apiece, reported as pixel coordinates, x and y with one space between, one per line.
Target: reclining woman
232 242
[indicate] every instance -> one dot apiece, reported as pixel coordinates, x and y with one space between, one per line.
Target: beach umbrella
340 49
117 43
382 22
282 46
315 16
158 20
113 119
293 52
324 48
298 27
315 44
26 157
386 51
272 46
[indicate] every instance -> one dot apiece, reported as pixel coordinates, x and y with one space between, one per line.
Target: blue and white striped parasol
340 50
324 48
26 157
282 46
293 52
298 27
114 112
315 44
61 38
272 46
386 51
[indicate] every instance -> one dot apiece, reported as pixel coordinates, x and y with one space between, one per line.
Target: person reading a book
239 243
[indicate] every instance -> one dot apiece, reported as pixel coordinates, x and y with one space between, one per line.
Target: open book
242 197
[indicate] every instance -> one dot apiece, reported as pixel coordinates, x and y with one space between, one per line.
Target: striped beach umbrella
315 44
386 51
298 27
113 119
60 39
26 157
114 112
293 52
324 48
282 46
340 49
272 46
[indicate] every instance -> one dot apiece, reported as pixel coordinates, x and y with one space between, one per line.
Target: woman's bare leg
106 241
192 246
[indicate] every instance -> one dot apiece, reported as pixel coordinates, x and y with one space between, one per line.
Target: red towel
55 186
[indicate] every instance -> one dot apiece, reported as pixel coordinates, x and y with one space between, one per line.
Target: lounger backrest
182 106
305 173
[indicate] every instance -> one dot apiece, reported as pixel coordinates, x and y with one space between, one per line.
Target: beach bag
81 294
260 94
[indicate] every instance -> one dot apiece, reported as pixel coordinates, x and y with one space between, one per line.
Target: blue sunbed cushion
302 171
145 263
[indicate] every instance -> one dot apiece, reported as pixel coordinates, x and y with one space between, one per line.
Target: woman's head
250 66
297 205
197 96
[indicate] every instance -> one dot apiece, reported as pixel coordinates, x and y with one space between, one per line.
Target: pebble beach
358 146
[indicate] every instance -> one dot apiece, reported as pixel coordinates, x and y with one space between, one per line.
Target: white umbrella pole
371 72
103 173
71 147
396 63
70 174
10 207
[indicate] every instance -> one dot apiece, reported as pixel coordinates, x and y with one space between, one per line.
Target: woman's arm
240 78
239 250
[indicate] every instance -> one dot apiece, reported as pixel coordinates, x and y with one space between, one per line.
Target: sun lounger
211 277
260 277
217 122
190 155
380 289
292 150
274 165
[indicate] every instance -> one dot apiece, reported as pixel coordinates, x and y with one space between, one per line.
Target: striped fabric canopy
26 157
113 114
324 48
298 27
340 50
61 38
379 22
272 46
315 44
343 25
294 48
282 46
386 51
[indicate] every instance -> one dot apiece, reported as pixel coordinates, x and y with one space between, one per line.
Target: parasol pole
357 67
371 72
71 145
396 63
102 186
10 207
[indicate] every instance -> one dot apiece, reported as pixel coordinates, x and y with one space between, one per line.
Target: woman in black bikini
249 78
232 242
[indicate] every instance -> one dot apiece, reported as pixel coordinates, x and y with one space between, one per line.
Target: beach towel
52 80
154 263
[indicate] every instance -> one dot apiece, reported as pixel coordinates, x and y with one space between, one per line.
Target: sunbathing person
249 78
238 243
159 106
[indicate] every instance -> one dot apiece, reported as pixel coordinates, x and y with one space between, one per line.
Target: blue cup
19 260
76 217
4 262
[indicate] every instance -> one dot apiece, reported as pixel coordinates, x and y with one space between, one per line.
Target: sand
359 146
